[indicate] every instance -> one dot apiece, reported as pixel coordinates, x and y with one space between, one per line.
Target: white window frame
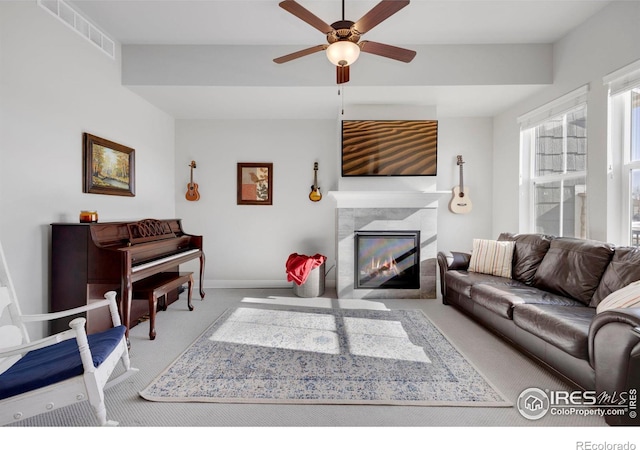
620 83
553 110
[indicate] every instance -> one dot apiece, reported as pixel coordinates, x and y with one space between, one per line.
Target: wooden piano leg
189 292
202 260
153 305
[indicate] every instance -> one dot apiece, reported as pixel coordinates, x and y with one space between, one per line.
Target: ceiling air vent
70 17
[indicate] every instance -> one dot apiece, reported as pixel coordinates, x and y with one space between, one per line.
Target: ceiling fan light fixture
343 53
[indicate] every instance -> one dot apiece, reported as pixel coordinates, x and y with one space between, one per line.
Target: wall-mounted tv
389 148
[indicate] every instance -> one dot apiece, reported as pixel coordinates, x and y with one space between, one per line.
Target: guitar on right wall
460 203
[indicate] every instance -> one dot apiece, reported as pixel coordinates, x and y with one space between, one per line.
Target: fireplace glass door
387 260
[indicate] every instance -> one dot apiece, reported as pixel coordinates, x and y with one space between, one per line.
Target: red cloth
300 266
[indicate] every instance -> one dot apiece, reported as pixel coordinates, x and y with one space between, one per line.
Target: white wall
55 86
606 42
249 245
434 65
471 137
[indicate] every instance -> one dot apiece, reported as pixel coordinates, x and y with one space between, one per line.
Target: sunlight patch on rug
317 302
318 332
280 330
330 356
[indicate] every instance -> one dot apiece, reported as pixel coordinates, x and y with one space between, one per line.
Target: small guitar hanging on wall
315 195
460 203
192 188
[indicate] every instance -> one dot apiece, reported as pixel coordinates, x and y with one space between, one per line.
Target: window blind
623 79
554 108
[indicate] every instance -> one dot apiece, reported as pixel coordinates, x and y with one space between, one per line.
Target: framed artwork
378 148
109 168
255 183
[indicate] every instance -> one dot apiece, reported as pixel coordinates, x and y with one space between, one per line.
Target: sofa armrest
451 261
454 260
614 353
627 316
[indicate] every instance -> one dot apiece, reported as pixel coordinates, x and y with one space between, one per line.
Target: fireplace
394 212
387 259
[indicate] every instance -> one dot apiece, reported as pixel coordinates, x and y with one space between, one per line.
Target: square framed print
109 168
255 183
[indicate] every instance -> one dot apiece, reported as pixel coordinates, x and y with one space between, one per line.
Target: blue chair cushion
55 363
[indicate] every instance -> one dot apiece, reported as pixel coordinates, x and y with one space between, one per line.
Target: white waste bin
313 285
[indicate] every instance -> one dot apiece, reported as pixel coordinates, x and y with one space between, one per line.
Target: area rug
324 356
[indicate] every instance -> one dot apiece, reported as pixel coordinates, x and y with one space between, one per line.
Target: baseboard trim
238 284
254 284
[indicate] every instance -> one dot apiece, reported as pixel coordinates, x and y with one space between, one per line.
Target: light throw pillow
492 257
627 297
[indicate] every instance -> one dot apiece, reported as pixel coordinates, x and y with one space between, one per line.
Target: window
624 148
634 165
554 168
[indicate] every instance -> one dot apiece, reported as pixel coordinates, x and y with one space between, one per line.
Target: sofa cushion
492 257
461 281
528 254
573 267
565 327
501 299
623 269
495 299
627 297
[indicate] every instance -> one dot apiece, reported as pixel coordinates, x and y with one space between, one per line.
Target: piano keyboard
156 262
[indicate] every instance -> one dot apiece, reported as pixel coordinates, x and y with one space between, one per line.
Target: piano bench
157 286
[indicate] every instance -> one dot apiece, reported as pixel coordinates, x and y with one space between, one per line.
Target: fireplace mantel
387 199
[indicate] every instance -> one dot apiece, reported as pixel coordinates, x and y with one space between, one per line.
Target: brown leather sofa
548 309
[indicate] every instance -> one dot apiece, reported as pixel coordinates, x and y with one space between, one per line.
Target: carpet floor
306 355
509 370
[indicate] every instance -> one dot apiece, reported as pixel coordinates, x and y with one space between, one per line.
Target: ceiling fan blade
388 51
380 12
304 14
300 53
342 74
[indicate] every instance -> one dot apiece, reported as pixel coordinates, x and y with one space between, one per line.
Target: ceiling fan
343 37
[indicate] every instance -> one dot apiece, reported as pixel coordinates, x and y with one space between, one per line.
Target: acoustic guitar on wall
315 195
460 203
192 188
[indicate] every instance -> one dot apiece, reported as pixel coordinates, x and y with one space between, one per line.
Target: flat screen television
389 148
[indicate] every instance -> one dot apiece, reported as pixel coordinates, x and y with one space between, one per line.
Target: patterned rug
329 356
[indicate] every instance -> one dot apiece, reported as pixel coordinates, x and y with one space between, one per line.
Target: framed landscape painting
109 168
255 183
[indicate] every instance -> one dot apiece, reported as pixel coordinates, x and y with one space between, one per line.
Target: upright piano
89 259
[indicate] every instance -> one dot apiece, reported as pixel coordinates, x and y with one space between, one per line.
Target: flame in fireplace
386 267
387 259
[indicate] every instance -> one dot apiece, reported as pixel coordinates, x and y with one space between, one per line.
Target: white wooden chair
56 371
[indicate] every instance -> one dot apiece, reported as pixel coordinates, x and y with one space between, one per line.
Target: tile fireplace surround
385 211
